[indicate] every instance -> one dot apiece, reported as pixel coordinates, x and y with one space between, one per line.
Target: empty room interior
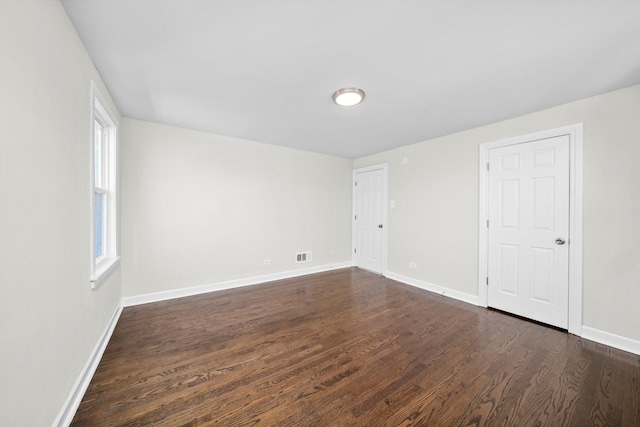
340 213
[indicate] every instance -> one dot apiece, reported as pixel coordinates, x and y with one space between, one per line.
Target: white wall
201 209
50 319
435 221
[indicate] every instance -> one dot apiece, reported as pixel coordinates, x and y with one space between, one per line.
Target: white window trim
101 267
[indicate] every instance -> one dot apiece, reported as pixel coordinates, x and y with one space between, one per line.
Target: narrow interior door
369 192
528 260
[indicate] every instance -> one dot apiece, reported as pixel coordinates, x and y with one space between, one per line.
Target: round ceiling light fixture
348 97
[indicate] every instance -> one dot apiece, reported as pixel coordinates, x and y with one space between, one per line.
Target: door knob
560 241
379 225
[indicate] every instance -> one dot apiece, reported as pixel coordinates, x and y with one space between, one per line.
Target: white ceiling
265 70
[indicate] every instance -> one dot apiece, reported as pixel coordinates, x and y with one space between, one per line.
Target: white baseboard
612 340
591 334
203 289
65 416
451 293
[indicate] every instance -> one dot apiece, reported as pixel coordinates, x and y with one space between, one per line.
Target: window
104 251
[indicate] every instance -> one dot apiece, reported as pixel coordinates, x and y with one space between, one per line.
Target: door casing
575 216
354 258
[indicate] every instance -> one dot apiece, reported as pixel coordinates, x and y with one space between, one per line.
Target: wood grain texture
350 348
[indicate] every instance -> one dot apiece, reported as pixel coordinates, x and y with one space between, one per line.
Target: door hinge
355 183
487 223
355 217
487 281
487 165
355 251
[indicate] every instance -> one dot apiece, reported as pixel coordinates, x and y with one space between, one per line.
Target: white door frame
354 258
575 216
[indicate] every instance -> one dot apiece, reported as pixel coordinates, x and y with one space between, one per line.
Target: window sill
103 269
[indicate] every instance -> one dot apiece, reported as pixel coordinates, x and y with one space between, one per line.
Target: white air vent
303 256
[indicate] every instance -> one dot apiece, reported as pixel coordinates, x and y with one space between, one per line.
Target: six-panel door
369 219
528 259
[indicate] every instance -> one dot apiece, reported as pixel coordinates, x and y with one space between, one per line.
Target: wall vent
303 256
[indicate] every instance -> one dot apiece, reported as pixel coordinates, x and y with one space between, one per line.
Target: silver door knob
560 241
379 225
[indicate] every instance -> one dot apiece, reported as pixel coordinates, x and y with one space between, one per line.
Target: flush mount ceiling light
348 97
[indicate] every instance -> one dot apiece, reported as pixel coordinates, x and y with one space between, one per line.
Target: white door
528 255
369 219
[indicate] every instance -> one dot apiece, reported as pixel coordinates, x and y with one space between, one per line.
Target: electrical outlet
413 265
266 262
303 256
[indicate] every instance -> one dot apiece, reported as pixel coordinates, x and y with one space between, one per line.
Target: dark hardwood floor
350 348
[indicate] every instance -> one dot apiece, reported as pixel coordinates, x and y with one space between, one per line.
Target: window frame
103 118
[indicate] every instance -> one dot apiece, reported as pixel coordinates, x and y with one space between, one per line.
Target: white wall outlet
266 262
413 265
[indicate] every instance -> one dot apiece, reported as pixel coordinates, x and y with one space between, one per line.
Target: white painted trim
612 340
588 333
203 289
103 269
385 175
68 410
101 112
575 231
575 216
66 414
447 292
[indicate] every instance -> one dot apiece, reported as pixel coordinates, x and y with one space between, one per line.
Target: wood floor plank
350 348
